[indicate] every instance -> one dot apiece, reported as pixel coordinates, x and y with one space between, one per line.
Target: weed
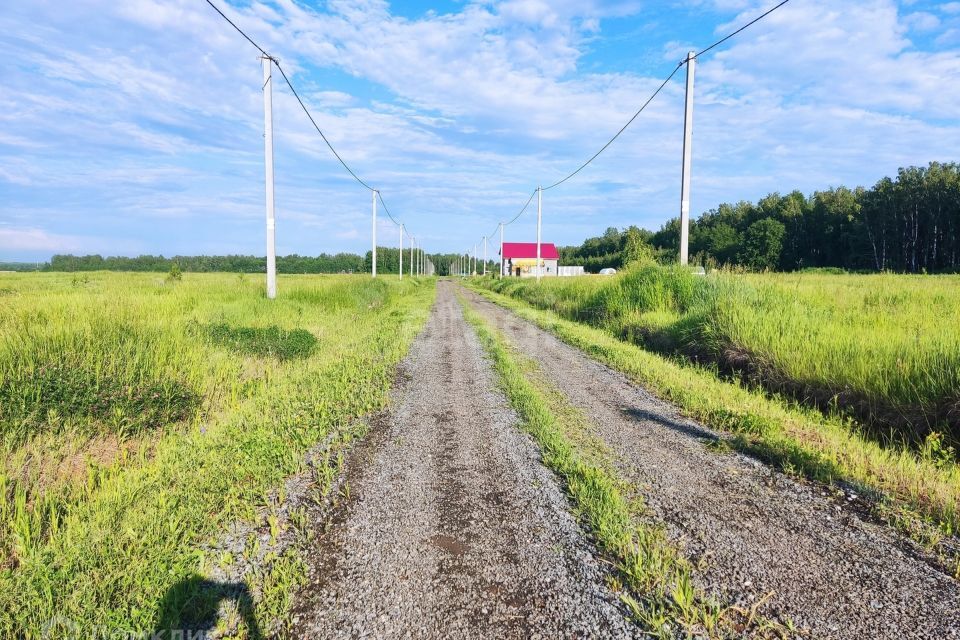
107 546
265 341
822 448
652 567
874 347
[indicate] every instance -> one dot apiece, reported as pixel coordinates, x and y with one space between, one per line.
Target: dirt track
453 527
756 531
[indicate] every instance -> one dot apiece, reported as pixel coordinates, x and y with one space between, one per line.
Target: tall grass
884 349
917 493
103 515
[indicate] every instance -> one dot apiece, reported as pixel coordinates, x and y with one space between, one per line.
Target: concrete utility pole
539 216
473 269
373 262
501 250
267 63
687 160
484 255
401 252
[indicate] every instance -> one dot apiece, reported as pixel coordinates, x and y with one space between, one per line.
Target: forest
910 224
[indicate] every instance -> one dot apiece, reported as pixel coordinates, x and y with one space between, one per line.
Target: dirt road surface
453 528
756 531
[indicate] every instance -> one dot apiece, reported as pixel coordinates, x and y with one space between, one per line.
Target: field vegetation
140 415
884 349
652 577
915 487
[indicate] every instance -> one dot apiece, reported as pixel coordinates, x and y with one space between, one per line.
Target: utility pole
411 256
373 262
539 216
484 255
401 252
267 63
501 250
687 160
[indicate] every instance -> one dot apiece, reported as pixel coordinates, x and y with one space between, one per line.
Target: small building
519 259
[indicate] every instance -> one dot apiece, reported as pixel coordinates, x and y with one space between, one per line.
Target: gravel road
756 531
453 528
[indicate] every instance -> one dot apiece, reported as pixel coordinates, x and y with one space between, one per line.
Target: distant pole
267 63
539 217
373 263
411 256
501 250
687 160
401 252
484 255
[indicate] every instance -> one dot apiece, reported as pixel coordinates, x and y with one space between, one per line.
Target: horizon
136 129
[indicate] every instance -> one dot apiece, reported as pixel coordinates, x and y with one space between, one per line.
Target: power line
749 24
305 109
389 215
315 126
529 200
622 129
239 30
660 88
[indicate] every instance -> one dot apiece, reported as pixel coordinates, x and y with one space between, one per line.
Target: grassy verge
915 493
874 347
666 601
104 516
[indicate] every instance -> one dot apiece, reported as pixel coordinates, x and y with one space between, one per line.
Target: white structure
519 259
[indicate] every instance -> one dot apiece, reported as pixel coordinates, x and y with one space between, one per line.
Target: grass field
917 491
140 415
884 349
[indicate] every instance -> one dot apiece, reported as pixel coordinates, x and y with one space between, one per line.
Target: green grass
660 591
148 415
884 348
918 491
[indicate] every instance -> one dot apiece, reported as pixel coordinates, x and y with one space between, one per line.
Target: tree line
388 262
324 263
910 223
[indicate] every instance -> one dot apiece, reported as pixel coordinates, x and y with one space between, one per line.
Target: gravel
754 531
453 528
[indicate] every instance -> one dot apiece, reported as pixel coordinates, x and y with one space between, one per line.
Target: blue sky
136 127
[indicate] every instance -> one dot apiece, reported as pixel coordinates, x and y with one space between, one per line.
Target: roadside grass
884 349
102 516
917 493
653 569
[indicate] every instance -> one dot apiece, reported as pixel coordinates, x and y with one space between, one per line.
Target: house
520 259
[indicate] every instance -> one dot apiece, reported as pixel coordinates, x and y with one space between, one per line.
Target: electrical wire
315 126
529 200
622 129
239 30
389 215
660 88
305 110
749 24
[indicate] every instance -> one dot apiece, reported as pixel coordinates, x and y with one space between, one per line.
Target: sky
137 127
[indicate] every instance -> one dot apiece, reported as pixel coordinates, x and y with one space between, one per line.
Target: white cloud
39 240
456 116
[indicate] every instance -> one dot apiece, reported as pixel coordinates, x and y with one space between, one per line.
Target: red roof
521 250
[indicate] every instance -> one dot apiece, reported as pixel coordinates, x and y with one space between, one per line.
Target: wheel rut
755 533
453 527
